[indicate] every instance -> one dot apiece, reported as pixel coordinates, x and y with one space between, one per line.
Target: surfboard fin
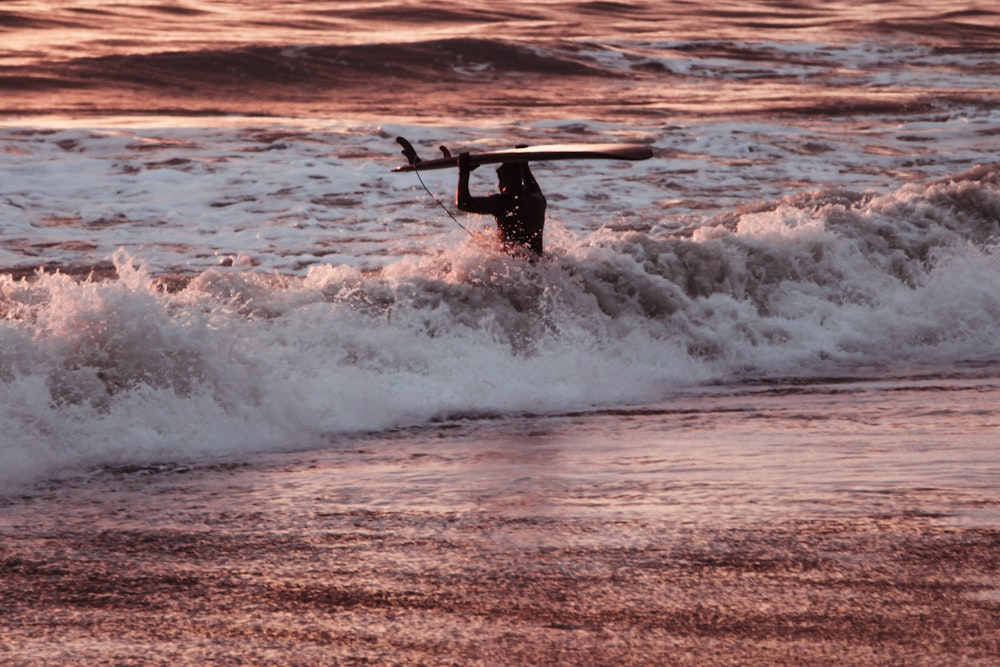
408 151
445 152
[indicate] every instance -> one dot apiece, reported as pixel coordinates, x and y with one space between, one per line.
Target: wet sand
301 559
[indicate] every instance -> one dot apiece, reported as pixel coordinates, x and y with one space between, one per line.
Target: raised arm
463 198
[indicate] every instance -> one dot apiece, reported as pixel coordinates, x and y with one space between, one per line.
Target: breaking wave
139 369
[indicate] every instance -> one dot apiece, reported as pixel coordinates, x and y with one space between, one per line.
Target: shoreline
278 562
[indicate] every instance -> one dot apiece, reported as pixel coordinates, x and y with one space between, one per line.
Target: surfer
519 207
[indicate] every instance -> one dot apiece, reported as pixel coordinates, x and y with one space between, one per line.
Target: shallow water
773 524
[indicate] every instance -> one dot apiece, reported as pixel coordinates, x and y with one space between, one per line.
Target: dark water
621 61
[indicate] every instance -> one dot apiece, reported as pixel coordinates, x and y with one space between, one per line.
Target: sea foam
138 369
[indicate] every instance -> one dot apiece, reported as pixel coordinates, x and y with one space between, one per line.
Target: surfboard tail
409 152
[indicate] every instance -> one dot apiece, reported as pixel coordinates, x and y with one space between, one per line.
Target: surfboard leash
411 156
438 202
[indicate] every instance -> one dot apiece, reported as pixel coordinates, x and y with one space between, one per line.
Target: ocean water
263 401
204 253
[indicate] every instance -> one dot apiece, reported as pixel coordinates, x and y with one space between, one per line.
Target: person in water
519 208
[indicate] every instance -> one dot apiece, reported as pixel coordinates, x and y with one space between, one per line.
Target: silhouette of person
519 207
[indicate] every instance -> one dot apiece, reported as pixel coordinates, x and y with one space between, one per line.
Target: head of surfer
511 176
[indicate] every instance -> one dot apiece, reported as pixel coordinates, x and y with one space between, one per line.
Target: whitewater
278 288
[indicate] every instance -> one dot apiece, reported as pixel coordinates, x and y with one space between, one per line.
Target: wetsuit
519 207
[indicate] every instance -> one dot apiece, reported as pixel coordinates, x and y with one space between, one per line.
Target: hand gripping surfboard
528 154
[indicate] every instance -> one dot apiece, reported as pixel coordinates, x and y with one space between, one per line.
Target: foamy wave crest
815 284
124 372
128 371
